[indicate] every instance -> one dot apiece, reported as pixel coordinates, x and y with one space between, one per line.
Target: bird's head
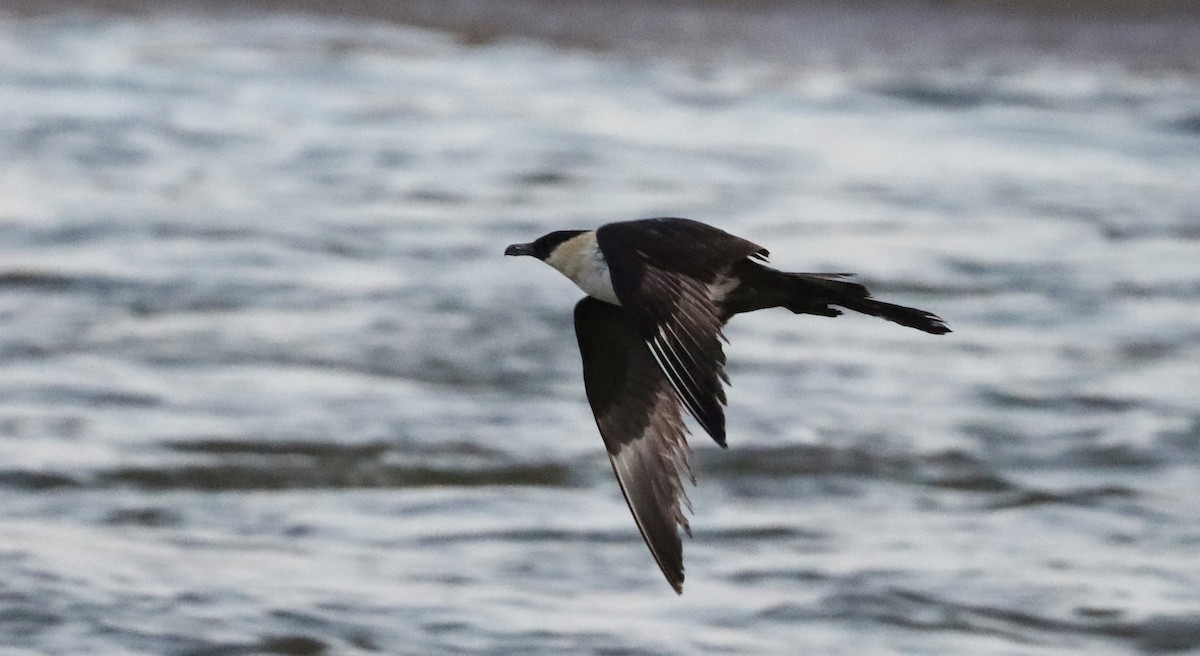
544 246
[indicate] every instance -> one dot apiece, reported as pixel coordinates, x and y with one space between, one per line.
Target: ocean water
268 385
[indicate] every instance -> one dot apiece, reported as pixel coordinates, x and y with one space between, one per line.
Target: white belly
597 283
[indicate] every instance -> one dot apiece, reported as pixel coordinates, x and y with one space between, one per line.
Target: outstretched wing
639 418
666 272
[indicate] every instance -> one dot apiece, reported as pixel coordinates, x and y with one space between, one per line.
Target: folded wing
639 417
667 274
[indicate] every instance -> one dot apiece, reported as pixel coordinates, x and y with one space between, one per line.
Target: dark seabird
649 331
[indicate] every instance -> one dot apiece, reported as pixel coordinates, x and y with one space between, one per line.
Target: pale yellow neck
573 257
580 260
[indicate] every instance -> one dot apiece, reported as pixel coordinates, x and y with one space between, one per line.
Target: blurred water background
267 384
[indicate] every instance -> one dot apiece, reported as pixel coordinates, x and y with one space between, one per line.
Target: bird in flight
659 292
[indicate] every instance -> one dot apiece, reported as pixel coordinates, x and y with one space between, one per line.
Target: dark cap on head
543 246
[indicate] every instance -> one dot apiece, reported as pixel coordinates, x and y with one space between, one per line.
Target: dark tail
815 293
824 289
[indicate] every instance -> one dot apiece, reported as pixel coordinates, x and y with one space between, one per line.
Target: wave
217 464
922 611
230 465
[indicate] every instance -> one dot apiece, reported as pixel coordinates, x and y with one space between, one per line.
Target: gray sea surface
268 385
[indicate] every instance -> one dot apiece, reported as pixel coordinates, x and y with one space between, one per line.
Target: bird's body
659 292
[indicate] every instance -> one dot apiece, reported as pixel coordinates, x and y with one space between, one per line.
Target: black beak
519 249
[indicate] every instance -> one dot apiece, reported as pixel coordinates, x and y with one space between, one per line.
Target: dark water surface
268 385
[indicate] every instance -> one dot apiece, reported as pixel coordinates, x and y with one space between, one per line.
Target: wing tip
674 577
715 427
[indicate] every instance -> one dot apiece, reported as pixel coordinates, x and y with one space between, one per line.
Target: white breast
580 260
